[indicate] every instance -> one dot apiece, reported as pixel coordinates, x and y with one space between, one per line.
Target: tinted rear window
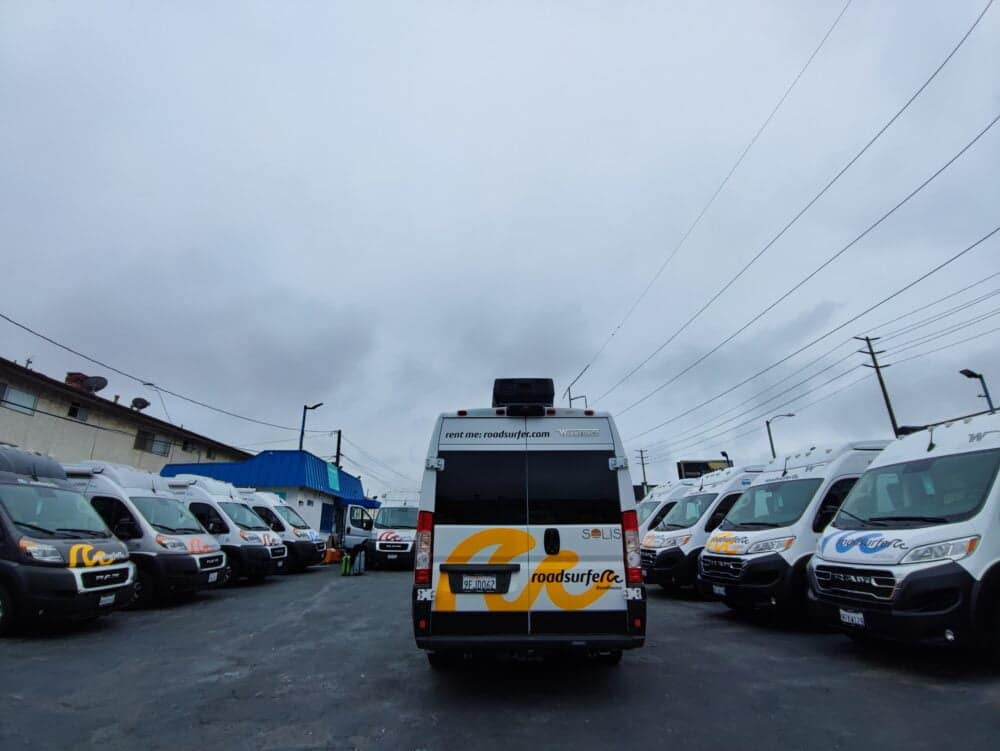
481 487
536 487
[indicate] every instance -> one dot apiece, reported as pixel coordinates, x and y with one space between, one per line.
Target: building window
78 412
209 454
147 440
17 400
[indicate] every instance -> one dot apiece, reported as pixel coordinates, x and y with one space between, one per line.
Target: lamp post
302 430
770 439
986 392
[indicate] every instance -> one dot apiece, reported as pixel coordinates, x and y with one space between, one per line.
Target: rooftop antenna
785 470
931 445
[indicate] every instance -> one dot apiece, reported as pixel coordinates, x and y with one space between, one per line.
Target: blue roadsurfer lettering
498 434
868 543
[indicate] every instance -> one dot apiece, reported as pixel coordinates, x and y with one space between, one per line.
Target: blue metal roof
281 469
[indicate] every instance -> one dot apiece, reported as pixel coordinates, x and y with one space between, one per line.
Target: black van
58 559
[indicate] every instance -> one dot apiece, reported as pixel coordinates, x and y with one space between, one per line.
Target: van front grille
857 583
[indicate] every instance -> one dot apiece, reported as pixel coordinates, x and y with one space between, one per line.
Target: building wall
309 504
102 436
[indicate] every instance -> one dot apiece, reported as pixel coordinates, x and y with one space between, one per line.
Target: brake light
422 547
630 541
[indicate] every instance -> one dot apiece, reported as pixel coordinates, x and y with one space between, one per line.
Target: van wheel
442 660
991 639
234 574
7 611
145 590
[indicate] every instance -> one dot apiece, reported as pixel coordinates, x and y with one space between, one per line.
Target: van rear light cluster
630 540
422 547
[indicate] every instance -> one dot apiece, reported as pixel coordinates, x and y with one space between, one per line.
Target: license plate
852 618
719 590
392 555
106 600
474 583
213 577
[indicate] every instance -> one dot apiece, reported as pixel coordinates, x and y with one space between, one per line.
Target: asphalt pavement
320 661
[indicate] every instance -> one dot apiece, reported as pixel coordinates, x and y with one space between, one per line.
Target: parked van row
81 540
881 539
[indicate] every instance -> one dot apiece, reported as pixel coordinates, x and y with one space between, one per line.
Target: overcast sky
383 206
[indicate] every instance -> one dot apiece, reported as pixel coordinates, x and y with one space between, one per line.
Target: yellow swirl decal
86 555
550 574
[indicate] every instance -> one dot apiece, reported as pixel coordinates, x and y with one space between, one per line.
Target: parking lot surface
319 661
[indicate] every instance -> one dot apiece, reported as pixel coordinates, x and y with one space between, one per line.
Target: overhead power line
909 328
830 332
801 212
375 460
946 346
704 209
817 270
945 332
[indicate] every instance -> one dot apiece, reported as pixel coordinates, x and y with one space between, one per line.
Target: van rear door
481 543
575 518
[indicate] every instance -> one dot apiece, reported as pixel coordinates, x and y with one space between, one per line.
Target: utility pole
337 462
881 381
642 461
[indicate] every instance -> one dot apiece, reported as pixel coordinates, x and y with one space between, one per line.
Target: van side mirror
217 528
367 523
126 529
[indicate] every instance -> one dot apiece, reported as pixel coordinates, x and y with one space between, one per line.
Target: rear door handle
551 540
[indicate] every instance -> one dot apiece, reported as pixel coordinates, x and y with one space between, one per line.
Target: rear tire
8 613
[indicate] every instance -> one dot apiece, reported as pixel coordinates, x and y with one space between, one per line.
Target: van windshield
291 516
42 511
687 511
398 517
242 515
776 504
168 515
644 509
920 493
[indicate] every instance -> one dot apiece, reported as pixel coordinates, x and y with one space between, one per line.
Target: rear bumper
924 605
529 630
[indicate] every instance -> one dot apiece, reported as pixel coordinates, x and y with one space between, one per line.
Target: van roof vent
523 391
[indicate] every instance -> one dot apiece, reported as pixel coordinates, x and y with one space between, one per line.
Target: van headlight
777 545
649 540
673 542
170 543
950 550
39 551
252 537
302 533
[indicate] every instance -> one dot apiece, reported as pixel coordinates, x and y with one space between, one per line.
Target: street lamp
986 392
302 430
770 439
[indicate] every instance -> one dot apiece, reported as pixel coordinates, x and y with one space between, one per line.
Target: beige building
67 420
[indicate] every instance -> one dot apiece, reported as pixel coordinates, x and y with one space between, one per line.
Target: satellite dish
93 384
139 404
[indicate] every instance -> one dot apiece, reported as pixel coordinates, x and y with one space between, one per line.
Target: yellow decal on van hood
727 543
550 575
85 556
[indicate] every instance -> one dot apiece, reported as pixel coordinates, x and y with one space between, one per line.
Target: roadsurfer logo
552 574
198 546
727 543
869 543
83 555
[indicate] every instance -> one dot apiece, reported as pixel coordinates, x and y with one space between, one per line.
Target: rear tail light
422 547
633 568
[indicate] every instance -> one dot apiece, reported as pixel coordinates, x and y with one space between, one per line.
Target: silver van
174 554
252 550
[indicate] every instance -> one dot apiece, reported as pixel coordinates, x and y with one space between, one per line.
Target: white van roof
720 478
814 461
252 494
208 484
962 436
129 479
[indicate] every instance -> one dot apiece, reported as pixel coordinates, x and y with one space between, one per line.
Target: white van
527 537
392 535
306 546
914 553
658 503
251 549
173 552
670 550
758 555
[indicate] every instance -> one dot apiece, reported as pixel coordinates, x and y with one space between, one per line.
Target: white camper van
670 550
305 545
658 503
251 549
172 551
758 555
914 553
392 535
527 538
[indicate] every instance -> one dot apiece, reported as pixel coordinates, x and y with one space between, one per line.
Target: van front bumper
59 594
669 567
186 573
306 552
922 606
745 582
256 560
